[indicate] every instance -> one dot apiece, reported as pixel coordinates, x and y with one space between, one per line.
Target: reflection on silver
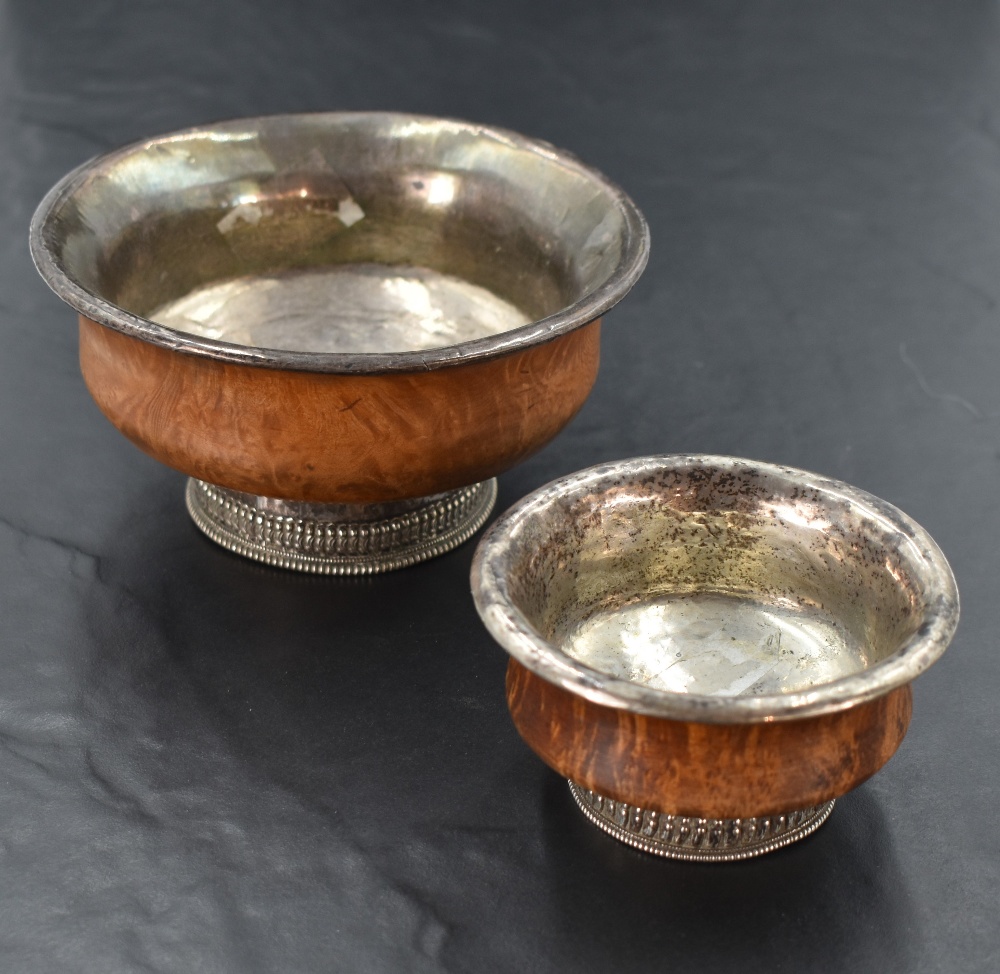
339 539
344 308
786 594
717 645
698 839
166 220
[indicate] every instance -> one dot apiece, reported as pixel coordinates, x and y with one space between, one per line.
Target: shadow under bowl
711 649
322 317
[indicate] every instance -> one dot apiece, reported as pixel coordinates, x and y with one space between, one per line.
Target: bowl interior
718 579
340 233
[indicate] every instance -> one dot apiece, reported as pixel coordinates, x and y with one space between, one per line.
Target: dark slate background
208 766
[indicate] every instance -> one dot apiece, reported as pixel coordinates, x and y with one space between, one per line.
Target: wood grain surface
338 438
709 770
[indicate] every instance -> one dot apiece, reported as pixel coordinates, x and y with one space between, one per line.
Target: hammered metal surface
716 644
167 221
339 539
347 308
714 588
698 839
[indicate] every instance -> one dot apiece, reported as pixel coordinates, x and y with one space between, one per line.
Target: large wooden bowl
711 649
340 325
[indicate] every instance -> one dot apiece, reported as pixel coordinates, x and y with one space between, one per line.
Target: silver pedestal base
698 839
339 539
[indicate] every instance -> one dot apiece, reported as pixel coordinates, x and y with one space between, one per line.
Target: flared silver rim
632 262
512 630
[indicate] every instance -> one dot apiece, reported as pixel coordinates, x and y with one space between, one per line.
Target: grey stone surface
211 766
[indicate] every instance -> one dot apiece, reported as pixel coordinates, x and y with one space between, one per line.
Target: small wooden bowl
711 649
340 325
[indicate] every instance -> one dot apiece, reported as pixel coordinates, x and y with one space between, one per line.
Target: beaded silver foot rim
339 539
698 839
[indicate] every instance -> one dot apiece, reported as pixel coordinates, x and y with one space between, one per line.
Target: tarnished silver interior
340 242
715 588
345 308
716 644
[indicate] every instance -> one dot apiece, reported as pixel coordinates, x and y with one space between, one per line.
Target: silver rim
511 629
632 262
326 544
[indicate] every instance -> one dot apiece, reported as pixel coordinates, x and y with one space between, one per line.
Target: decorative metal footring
339 539
698 839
